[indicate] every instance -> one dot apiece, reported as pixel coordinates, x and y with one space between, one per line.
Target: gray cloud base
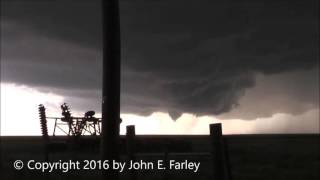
178 57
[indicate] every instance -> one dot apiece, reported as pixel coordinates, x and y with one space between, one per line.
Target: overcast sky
246 60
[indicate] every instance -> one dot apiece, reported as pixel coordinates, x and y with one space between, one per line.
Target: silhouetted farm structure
83 134
69 125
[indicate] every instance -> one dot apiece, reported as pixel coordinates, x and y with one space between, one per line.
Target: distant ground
252 157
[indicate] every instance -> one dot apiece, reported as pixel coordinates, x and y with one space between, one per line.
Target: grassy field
252 157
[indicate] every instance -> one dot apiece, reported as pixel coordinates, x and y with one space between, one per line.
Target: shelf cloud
203 58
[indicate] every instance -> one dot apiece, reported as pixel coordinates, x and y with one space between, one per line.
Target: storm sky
247 60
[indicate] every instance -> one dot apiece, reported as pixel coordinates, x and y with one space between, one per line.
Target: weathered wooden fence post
221 171
130 144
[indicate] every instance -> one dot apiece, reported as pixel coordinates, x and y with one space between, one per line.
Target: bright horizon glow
25 100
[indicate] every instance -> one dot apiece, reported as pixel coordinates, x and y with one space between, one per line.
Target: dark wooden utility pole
111 85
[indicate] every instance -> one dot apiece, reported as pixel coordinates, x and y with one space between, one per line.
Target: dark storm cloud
178 56
78 21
